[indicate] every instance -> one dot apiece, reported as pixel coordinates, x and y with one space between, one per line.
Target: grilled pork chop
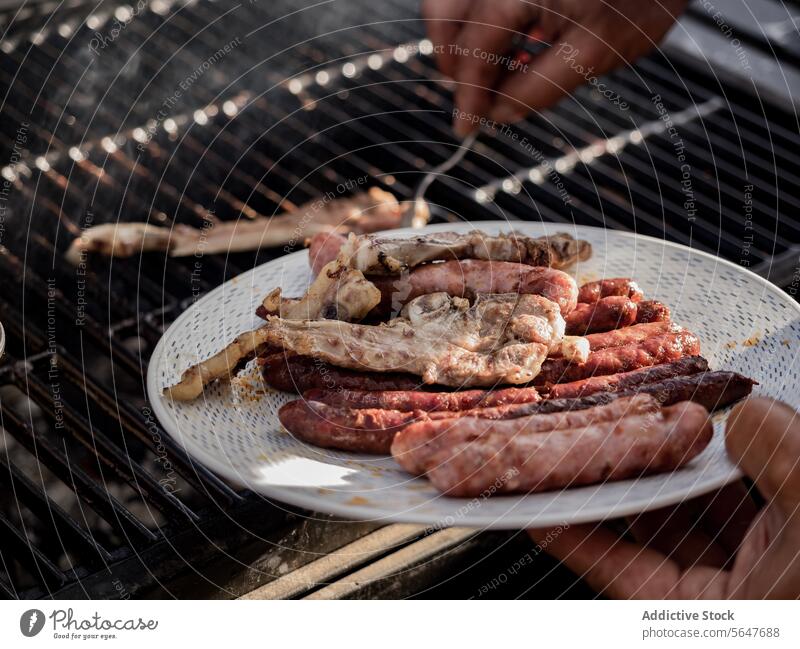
444 340
364 212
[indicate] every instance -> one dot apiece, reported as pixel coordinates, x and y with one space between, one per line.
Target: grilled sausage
407 400
712 390
630 335
370 430
651 351
622 286
527 462
292 373
346 429
469 277
607 313
433 436
652 311
627 380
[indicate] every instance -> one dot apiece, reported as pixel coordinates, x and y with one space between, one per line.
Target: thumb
763 438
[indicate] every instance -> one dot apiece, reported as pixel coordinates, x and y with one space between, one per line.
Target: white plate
744 323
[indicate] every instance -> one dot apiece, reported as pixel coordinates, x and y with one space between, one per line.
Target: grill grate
101 495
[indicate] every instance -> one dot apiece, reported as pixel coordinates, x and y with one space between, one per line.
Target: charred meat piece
294 373
361 213
519 460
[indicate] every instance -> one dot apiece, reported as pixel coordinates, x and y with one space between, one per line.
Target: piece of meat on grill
506 457
499 339
380 255
364 212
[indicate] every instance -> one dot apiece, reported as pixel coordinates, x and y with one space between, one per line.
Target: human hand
473 42
716 547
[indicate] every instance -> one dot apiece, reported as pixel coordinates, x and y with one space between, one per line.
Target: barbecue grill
201 111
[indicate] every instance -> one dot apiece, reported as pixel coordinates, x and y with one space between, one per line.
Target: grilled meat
500 339
364 212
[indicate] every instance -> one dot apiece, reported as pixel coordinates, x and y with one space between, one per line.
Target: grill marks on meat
471 277
523 461
361 213
499 339
619 286
377 255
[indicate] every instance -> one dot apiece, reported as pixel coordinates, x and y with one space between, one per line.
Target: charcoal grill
181 112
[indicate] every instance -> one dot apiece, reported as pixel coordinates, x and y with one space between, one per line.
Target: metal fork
419 215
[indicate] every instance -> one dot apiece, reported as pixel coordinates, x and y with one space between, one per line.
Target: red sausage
528 462
652 311
622 286
616 382
607 313
652 351
469 277
359 431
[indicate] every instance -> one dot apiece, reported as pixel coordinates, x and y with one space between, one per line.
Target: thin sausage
626 380
358 431
630 335
407 400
